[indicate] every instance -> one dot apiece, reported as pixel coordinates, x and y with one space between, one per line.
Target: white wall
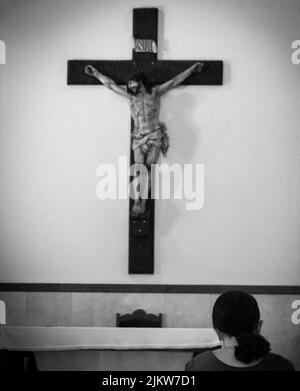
53 137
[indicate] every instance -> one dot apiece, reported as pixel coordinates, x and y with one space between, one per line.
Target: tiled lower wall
179 310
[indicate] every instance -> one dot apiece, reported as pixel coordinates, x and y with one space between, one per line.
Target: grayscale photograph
149 189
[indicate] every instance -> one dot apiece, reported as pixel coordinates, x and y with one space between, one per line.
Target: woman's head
236 314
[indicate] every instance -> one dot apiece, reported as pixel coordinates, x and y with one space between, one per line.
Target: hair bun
251 346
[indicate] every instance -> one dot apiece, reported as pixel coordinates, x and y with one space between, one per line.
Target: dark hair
236 314
139 77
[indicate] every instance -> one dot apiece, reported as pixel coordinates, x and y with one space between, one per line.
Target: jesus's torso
145 112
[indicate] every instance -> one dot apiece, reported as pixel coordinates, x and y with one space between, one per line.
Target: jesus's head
136 83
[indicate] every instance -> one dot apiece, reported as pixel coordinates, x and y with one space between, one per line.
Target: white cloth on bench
105 338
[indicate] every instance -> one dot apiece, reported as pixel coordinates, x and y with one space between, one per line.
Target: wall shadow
162 43
185 135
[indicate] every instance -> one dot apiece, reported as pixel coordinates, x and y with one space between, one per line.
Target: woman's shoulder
276 362
207 361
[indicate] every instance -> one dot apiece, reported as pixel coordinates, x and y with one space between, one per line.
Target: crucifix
146 78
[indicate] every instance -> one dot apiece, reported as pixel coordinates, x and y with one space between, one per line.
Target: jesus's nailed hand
198 66
90 70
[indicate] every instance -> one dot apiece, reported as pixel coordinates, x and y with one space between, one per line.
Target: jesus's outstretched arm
177 80
106 81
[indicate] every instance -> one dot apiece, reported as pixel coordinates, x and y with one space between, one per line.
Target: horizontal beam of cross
156 72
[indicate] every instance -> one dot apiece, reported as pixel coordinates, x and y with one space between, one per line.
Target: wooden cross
144 59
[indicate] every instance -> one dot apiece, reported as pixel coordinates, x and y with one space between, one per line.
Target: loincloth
158 138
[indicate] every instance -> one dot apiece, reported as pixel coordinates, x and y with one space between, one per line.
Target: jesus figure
149 136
